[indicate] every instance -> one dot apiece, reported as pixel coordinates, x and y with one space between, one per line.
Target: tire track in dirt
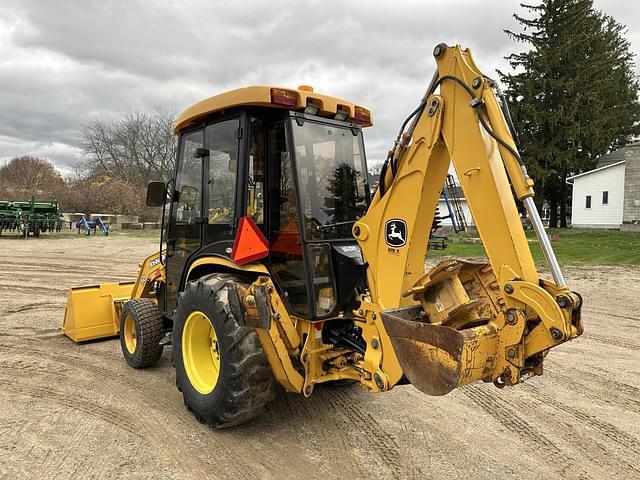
614 341
512 419
611 432
626 395
31 289
63 265
332 448
100 373
28 332
607 313
122 418
33 306
158 436
84 405
348 414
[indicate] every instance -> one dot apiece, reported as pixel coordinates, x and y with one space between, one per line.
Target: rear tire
141 329
221 368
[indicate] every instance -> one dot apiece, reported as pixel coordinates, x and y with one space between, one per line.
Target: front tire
141 329
221 368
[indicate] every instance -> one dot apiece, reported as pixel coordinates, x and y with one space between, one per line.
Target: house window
588 201
605 198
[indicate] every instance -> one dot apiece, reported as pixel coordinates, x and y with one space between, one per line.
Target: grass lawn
596 247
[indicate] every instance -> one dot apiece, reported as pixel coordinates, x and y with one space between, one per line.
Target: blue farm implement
89 225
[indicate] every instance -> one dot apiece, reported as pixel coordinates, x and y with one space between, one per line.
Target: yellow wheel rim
129 333
200 352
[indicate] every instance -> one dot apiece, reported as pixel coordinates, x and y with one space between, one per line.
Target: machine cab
293 162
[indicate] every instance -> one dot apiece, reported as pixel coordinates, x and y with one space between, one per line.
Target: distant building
609 195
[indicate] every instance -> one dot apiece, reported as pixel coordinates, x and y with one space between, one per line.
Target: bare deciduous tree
137 148
30 175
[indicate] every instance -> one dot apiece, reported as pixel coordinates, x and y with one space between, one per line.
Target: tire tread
249 383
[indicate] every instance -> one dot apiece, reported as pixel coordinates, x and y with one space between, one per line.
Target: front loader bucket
437 359
93 312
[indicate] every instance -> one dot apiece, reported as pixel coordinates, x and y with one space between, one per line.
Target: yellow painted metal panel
261 96
91 312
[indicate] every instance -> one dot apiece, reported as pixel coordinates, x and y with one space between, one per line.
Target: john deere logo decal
395 232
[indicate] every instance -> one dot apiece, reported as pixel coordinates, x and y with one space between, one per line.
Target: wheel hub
200 352
130 334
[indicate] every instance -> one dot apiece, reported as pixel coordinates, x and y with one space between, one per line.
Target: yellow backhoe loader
276 265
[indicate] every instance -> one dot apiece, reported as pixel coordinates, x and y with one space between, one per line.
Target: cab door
186 228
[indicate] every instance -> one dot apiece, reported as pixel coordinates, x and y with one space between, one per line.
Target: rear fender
212 264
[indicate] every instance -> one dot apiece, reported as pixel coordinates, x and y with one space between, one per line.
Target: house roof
611 158
595 170
615 156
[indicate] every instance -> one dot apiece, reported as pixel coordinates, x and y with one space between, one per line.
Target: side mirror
155 194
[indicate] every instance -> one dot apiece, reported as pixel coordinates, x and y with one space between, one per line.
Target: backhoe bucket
93 312
437 359
463 331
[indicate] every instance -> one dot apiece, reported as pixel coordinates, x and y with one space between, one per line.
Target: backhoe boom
473 322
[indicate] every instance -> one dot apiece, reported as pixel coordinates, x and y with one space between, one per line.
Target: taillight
283 97
362 115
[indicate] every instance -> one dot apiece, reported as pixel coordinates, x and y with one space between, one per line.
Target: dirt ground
78 411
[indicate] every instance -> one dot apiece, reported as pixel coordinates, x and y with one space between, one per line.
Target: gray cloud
63 64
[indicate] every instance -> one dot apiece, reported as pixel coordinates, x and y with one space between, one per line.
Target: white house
608 196
598 197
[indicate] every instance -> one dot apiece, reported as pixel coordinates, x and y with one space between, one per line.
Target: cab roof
274 97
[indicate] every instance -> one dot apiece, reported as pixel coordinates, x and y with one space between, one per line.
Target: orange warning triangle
250 244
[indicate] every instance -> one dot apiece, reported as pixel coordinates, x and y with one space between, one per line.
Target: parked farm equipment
30 217
89 225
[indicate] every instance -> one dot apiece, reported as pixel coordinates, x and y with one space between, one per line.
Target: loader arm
462 321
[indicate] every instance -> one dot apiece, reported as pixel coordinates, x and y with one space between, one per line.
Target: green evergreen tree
574 93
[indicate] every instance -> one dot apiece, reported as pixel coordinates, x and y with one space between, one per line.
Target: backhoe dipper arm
479 322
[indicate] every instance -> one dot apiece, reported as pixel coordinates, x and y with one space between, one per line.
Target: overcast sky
66 63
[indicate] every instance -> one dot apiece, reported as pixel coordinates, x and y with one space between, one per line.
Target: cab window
190 181
255 182
223 143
